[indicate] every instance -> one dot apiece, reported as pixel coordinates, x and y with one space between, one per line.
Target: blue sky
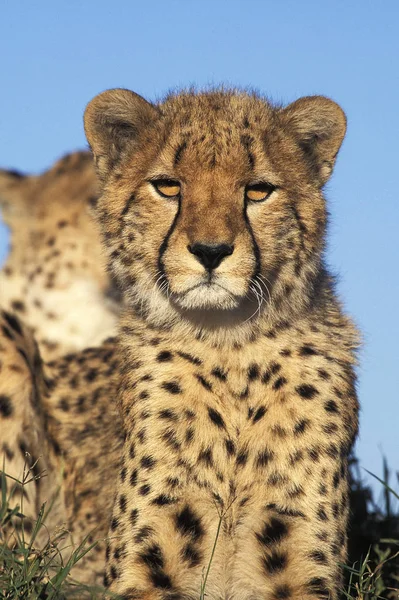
57 55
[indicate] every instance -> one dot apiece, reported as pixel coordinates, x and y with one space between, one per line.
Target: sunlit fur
238 403
54 276
224 142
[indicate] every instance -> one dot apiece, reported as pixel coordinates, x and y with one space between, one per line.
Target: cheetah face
212 202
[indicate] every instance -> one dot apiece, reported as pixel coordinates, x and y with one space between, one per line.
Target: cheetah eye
169 188
258 192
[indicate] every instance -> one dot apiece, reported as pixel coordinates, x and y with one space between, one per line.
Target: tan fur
237 388
61 433
55 276
234 412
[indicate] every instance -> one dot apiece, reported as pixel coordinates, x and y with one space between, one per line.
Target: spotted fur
56 420
55 277
237 386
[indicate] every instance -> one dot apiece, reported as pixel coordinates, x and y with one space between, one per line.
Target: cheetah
55 277
237 382
56 419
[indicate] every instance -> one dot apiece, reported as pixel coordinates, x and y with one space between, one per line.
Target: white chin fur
207 297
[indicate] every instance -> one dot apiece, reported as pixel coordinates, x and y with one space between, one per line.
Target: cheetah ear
13 203
319 126
112 121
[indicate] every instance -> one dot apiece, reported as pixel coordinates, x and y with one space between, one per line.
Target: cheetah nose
211 255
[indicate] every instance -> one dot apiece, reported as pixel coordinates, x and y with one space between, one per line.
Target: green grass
31 568
38 565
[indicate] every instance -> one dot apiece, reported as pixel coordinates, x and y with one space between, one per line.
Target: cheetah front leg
24 451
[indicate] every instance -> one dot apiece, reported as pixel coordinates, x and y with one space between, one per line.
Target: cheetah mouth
206 295
214 309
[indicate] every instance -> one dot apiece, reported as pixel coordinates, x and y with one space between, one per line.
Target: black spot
219 374
168 414
171 440
242 458
253 372
114 523
206 384
18 305
13 322
279 383
323 374
260 413
331 406
143 534
264 457
123 474
321 514
63 404
147 462
272 370
295 491
144 490
301 426
330 428
192 359
163 500
188 523
206 457
91 375
314 453
133 478
189 436
282 591
122 503
272 532
307 351
332 451
153 558
323 489
275 562
216 417
307 391
8 452
318 586
285 352
230 447
172 387
319 557
173 482
191 555
164 356
6 408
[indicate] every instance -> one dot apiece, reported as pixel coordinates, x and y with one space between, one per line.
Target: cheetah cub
237 389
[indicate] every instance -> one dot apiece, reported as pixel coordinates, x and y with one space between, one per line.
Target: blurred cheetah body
55 277
56 419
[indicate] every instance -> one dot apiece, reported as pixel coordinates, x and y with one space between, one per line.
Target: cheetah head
212 206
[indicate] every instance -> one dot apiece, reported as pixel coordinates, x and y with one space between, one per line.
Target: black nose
211 255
